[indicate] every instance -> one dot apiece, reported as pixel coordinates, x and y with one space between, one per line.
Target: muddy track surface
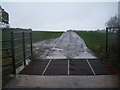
68 46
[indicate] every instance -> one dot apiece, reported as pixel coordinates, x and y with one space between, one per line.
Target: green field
44 35
94 40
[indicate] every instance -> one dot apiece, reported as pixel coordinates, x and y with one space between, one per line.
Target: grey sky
60 16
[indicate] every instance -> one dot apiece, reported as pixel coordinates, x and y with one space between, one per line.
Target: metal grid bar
27 56
17 39
18 47
5 40
7 56
6 49
6 65
18 32
18 54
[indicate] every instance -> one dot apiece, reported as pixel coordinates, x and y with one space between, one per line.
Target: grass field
94 40
44 35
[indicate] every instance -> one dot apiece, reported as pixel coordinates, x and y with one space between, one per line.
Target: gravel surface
69 45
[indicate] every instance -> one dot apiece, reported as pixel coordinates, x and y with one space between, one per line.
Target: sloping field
72 45
93 39
68 45
44 35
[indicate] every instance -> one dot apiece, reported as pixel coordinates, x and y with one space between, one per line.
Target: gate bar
13 53
31 44
24 48
107 42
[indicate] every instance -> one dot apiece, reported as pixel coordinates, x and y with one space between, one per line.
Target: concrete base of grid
37 81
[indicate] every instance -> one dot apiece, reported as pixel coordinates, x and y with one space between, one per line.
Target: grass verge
96 42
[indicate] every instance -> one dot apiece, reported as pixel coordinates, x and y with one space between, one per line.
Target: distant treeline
15 29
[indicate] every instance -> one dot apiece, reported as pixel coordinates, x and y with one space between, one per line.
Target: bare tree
113 22
4 18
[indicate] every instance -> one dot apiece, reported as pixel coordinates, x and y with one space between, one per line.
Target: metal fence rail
112 36
23 47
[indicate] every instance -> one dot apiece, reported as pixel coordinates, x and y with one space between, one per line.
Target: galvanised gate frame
115 33
13 48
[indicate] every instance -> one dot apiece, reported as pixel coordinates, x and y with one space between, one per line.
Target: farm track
66 63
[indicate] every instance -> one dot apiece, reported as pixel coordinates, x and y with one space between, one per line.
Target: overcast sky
60 16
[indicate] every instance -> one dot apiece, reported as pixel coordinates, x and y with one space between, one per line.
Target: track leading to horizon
68 45
66 67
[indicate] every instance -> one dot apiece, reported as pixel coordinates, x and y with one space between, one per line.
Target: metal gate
112 37
20 46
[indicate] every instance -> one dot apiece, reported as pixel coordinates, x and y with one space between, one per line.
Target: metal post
118 42
107 42
13 53
31 43
24 48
